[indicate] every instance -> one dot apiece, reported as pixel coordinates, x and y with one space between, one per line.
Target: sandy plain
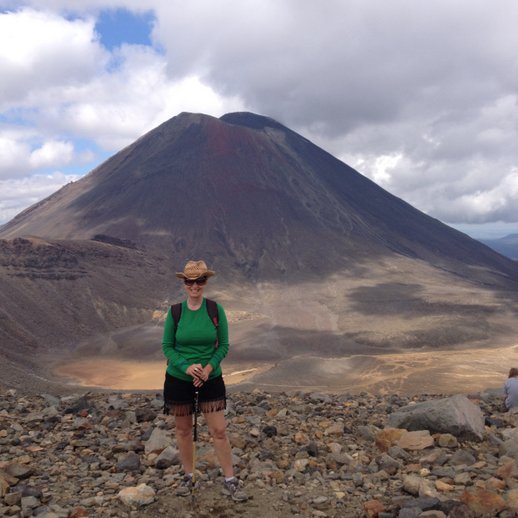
445 372
430 334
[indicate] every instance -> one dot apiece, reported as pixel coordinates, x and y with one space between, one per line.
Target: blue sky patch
119 26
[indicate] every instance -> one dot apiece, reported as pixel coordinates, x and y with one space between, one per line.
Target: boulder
456 415
158 441
168 457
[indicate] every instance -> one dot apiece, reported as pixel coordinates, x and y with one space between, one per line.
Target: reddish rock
388 437
418 440
507 470
483 501
373 508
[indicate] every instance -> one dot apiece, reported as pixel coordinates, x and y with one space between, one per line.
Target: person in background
194 349
511 389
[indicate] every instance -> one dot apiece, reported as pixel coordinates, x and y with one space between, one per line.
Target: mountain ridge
248 188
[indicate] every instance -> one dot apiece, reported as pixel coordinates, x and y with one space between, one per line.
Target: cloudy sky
421 97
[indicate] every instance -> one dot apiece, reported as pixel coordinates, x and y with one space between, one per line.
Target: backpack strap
212 310
176 312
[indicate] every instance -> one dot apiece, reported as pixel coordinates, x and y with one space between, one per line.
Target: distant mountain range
329 261
507 245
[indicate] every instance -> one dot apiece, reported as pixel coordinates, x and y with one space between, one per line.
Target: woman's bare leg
184 441
218 430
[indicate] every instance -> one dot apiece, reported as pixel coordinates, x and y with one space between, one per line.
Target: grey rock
399 453
509 448
13 498
157 442
145 414
319 397
456 415
462 457
20 471
130 462
424 503
29 502
169 457
410 512
75 406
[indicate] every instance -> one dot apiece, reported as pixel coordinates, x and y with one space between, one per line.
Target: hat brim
208 273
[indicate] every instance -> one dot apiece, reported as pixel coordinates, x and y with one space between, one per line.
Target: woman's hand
194 370
206 372
199 374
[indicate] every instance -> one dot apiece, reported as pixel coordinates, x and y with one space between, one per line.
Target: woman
194 348
511 389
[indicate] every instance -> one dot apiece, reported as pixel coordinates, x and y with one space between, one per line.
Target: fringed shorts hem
179 396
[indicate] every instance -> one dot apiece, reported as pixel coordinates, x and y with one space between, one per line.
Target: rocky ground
298 454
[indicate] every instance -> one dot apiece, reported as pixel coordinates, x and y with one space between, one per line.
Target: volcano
312 258
253 198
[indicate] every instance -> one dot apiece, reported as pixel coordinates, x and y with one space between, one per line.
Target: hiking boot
231 488
185 486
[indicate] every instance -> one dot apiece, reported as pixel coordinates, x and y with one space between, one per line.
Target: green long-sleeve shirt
194 341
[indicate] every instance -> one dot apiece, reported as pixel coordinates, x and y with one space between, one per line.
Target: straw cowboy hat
194 270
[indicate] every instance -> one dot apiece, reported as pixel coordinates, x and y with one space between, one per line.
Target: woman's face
194 289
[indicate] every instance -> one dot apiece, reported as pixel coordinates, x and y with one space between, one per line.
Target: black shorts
179 396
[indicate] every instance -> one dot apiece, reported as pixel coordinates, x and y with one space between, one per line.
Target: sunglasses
200 281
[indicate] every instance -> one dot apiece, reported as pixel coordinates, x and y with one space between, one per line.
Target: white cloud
41 50
422 98
19 158
18 194
52 153
116 108
13 157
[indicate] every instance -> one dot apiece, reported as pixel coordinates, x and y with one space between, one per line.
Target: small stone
138 496
320 502
13 498
427 489
507 470
462 457
463 479
18 470
373 508
388 437
301 437
447 440
418 440
4 486
443 486
336 429
145 414
270 431
312 449
495 484
512 500
29 502
335 447
411 484
410 512
300 464
130 462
